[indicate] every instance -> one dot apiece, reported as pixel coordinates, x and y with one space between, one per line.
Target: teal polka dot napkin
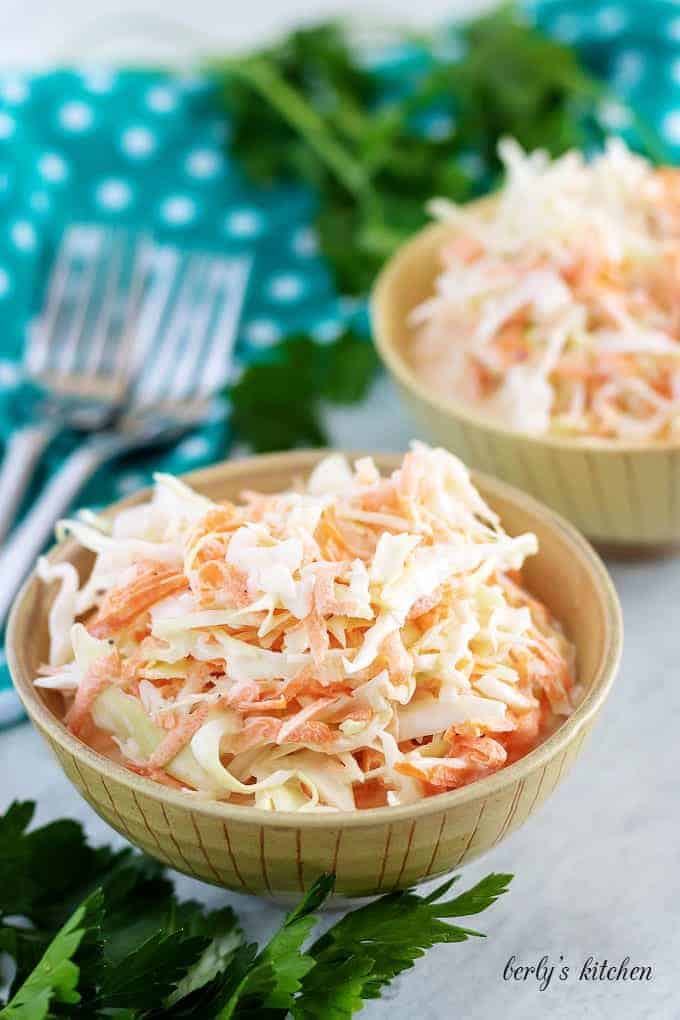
151 150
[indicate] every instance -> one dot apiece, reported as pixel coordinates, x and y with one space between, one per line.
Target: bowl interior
566 574
407 281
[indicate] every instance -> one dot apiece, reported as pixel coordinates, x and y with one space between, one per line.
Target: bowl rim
458 409
301 461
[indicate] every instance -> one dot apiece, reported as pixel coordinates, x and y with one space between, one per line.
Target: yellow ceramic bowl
371 851
614 492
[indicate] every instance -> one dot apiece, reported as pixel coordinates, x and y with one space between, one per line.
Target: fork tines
79 345
186 326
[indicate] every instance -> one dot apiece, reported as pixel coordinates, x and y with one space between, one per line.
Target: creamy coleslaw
557 309
355 641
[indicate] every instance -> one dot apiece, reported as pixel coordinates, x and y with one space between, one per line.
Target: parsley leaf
383 939
47 896
265 984
334 992
226 937
276 403
150 972
55 976
132 951
350 368
360 138
26 886
284 950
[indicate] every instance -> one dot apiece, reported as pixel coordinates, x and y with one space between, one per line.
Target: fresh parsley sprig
309 109
97 934
276 404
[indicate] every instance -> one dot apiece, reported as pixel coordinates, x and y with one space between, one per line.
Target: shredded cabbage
63 609
361 641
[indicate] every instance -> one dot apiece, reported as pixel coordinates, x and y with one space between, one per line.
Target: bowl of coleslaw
301 663
536 333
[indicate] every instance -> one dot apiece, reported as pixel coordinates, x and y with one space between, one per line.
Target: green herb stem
112 941
301 115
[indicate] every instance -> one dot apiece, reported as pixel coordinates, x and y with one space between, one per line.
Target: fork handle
24 449
29 538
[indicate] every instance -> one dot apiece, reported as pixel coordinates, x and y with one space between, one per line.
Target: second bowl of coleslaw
536 334
298 664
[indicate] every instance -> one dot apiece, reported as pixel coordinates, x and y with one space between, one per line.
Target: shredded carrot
121 606
102 673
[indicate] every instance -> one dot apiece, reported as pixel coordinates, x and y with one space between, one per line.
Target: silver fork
75 353
181 359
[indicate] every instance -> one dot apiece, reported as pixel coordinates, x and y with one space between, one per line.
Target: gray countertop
596 869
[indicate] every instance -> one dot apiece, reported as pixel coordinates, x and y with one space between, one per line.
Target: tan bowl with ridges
614 492
371 851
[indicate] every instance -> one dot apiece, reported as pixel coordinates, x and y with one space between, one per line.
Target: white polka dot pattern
243 223
138 142
99 80
178 210
161 99
14 89
611 19
262 332
305 242
76 116
7 125
114 194
671 127
614 116
202 163
286 287
23 235
53 167
9 371
328 331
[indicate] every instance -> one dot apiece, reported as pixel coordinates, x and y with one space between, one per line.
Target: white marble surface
596 870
